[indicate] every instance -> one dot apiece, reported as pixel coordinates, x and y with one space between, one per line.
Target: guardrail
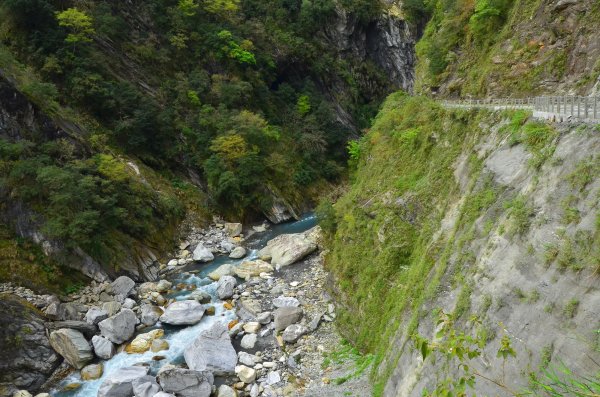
556 108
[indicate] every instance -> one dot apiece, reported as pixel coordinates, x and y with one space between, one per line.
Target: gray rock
248 308
233 229
122 286
164 394
273 377
187 312
285 316
163 286
103 347
129 303
247 359
150 314
248 341
120 383
95 315
111 307
26 357
120 327
226 391
72 345
293 332
224 270
286 249
264 318
212 351
146 386
88 330
202 254
186 382
286 301
225 287
227 246
237 253
200 296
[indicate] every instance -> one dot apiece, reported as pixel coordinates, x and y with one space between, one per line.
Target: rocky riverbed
251 323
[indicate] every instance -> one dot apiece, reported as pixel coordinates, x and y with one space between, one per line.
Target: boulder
72 345
226 391
111 308
164 394
212 351
285 301
146 386
22 393
186 382
129 303
103 347
202 254
159 345
92 371
200 296
150 314
286 249
122 287
163 286
233 229
225 287
248 341
293 332
223 270
120 327
248 308
285 316
250 269
187 312
120 383
95 315
88 330
227 246
246 374
143 342
237 253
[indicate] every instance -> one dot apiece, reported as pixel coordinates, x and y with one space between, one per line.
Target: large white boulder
120 327
72 345
225 287
186 382
286 249
186 312
250 269
237 253
202 254
212 351
120 383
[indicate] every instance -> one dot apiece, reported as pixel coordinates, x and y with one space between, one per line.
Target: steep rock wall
467 213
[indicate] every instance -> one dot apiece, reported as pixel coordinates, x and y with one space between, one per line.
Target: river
180 337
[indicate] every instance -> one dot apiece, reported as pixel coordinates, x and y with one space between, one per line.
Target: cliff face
386 41
470 213
530 47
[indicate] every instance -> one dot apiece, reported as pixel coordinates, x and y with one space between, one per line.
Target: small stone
129 303
247 359
226 391
246 374
227 306
293 332
210 311
286 301
251 327
264 318
273 377
92 371
248 341
237 253
225 287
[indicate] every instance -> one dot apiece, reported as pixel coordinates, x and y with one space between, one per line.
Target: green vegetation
232 95
469 47
347 354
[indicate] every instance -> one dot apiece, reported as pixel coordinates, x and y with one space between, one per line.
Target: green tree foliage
488 17
79 24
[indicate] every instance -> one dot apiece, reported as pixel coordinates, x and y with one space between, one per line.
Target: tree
79 24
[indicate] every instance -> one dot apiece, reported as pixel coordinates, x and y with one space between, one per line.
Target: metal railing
556 108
